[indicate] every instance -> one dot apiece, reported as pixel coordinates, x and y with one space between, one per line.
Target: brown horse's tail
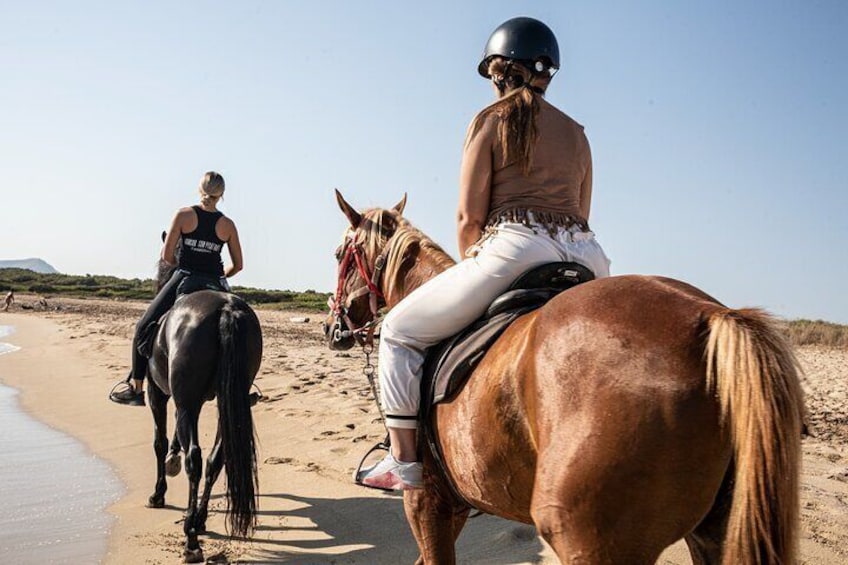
751 368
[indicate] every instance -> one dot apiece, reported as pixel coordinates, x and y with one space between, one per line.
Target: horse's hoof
156 502
193 556
173 464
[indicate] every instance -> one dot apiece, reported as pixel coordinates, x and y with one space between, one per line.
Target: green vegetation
103 286
800 332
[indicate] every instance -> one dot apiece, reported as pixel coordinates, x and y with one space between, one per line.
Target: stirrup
137 398
384 445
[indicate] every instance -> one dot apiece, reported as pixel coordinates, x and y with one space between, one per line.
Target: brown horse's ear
352 215
400 205
164 235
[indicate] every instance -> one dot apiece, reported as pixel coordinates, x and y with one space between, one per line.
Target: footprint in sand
278 460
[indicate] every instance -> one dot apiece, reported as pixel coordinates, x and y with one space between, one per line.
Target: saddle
449 364
195 282
191 283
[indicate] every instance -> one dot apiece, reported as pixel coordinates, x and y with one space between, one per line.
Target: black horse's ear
164 235
400 205
352 215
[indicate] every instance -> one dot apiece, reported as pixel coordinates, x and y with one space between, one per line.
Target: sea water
53 492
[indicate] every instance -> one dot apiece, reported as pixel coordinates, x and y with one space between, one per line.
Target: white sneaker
392 474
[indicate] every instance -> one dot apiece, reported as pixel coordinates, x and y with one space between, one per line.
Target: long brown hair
516 112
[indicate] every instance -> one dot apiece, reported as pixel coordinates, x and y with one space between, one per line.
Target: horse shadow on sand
370 530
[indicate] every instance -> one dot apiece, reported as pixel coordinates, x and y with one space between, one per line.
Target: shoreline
51 517
316 420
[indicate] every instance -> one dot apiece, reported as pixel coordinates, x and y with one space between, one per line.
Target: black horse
208 345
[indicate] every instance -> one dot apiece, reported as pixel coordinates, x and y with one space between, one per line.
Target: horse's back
194 325
598 397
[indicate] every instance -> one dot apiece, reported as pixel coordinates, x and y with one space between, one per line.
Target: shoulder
183 216
483 127
225 224
557 114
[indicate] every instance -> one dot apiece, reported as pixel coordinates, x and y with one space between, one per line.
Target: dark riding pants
162 303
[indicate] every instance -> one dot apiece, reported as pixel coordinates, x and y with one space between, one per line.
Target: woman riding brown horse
625 414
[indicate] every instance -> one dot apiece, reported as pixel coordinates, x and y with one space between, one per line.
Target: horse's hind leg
173 462
214 464
158 403
579 518
706 542
187 433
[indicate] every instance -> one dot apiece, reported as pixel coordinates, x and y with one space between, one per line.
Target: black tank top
200 250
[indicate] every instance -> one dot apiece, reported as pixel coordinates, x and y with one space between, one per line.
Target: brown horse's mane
377 227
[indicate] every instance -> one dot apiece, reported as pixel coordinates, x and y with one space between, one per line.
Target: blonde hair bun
211 187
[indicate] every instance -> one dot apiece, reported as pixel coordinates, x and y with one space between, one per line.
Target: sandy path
314 424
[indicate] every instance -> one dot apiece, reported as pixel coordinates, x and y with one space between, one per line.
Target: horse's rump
610 367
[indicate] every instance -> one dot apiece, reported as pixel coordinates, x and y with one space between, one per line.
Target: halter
340 304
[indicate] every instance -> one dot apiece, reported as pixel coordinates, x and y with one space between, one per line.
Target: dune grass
817 332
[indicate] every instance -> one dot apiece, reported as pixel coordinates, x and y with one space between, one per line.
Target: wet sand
316 421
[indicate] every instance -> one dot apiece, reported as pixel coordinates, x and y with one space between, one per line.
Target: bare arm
475 188
231 236
169 248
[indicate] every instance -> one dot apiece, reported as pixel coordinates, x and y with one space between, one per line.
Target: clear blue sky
718 131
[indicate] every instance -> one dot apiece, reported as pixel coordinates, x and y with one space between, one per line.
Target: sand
316 420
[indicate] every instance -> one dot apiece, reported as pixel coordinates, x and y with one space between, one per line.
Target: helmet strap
501 83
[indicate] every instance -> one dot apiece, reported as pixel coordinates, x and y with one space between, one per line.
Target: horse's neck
429 263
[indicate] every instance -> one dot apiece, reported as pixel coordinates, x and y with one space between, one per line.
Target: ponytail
516 113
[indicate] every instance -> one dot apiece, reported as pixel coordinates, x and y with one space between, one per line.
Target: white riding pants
455 298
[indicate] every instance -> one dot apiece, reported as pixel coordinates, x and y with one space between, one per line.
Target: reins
339 305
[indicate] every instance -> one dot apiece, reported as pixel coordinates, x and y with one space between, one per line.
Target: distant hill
32 264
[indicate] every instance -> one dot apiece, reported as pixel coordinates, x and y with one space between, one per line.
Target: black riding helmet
522 39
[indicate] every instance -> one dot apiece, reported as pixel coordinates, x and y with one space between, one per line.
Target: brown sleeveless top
558 186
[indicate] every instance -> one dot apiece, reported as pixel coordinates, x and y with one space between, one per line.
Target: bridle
339 303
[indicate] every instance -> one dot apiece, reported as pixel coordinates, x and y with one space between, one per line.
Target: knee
193 461
550 520
390 331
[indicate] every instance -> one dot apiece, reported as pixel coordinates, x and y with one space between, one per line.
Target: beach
316 420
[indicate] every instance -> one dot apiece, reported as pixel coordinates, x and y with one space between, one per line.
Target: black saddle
195 281
453 360
191 283
449 364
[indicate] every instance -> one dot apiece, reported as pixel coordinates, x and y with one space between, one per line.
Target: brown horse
624 415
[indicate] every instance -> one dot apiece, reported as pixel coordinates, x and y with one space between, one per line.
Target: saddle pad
450 363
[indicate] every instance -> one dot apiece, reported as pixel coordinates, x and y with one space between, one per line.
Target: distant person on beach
200 232
525 192
9 300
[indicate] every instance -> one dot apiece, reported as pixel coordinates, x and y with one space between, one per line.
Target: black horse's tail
236 423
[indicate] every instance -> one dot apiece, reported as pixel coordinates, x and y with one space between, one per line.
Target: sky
717 131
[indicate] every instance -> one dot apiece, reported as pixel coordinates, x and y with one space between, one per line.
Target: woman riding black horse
200 231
